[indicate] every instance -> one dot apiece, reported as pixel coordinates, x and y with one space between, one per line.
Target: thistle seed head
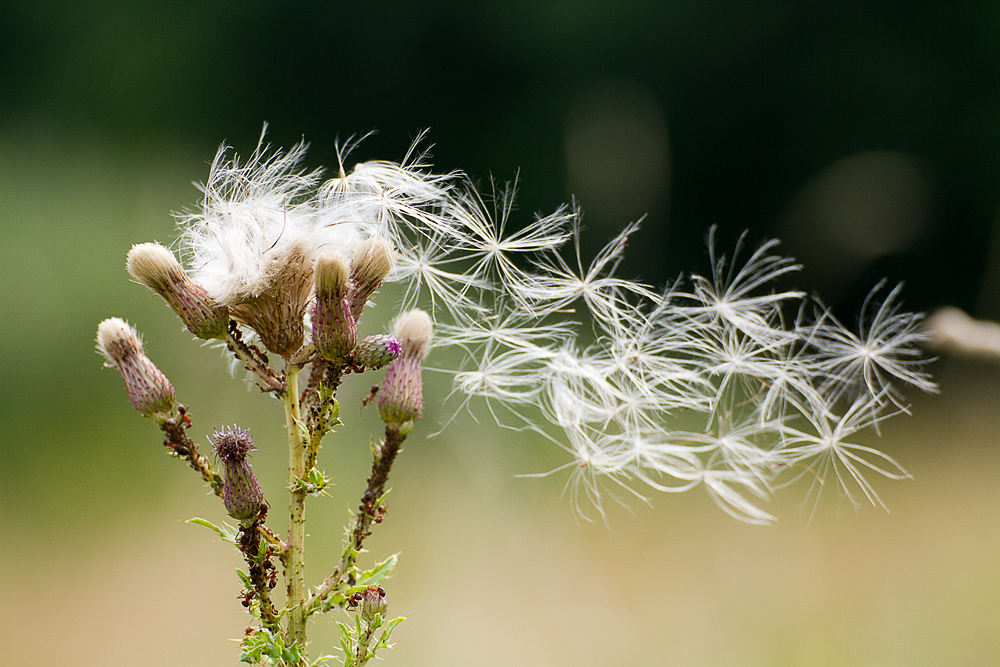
334 328
371 264
155 266
149 390
400 400
276 313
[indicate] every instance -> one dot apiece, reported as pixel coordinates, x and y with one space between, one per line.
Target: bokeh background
866 138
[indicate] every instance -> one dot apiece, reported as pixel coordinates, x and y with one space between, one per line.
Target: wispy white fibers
717 381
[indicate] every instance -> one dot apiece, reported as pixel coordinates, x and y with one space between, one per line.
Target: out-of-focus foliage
864 137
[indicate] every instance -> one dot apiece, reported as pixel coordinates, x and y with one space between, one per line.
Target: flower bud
400 399
373 603
376 351
241 492
334 328
371 264
148 389
155 267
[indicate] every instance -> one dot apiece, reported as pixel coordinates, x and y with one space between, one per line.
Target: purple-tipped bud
373 603
155 267
377 350
401 400
148 389
371 264
241 493
335 329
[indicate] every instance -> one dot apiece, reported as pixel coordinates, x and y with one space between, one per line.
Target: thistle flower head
373 603
156 267
400 400
149 391
334 326
242 495
376 351
332 274
371 264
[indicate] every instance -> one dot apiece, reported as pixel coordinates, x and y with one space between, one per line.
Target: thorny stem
271 538
262 574
294 555
368 510
364 641
323 408
254 360
368 513
185 448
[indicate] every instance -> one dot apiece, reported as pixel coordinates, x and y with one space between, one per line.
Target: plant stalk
294 556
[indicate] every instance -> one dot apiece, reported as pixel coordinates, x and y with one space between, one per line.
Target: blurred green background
866 138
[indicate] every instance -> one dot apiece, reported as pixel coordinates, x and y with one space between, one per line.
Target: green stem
295 552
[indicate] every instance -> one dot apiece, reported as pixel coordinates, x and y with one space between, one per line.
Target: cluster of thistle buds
342 289
303 304
276 316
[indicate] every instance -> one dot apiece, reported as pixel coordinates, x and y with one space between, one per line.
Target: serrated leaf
379 573
226 532
383 641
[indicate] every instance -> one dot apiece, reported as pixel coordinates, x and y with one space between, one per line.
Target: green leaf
303 430
377 574
245 579
346 639
226 532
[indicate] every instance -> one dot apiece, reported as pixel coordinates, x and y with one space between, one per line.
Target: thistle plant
718 381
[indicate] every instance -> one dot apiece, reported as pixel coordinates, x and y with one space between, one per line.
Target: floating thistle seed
376 351
241 492
334 328
156 267
149 390
400 400
371 264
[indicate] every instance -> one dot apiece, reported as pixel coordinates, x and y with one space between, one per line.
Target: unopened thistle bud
335 329
241 493
156 267
371 264
373 603
149 390
376 351
400 400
